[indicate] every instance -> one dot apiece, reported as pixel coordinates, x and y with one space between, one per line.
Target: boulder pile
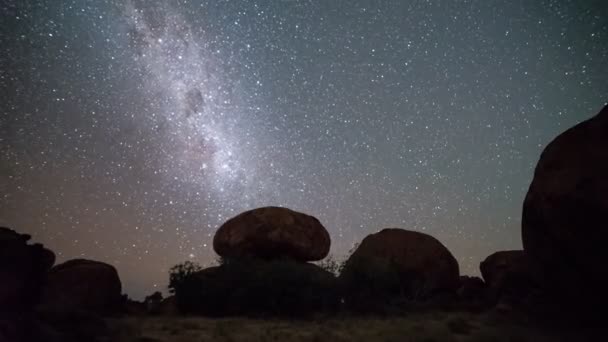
267 252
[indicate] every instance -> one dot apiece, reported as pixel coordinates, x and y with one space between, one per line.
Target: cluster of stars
130 130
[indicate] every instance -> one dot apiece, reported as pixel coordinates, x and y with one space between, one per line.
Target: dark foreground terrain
439 326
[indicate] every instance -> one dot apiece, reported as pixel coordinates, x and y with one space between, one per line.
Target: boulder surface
409 263
565 213
86 285
272 233
508 274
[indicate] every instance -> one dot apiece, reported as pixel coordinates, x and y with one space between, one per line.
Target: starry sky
130 130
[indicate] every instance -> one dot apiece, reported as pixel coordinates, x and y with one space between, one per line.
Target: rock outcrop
508 275
471 288
85 285
398 262
272 233
565 214
23 269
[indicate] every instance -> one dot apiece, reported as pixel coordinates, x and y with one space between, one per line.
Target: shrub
258 288
371 284
180 273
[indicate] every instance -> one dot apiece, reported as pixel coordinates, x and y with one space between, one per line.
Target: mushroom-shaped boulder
272 233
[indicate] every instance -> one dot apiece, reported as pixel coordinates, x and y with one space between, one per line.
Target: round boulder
398 262
82 284
272 233
508 274
565 213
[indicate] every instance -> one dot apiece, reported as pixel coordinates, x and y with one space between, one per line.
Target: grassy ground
415 327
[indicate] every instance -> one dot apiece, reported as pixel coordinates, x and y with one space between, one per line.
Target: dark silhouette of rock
398 262
508 275
82 284
472 295
23 269
270 233
471 288
565 214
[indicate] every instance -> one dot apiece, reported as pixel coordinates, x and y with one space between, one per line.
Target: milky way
130 130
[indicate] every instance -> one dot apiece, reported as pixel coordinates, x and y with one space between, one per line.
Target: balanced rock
86 285
271 233
23 269
409 263
565 213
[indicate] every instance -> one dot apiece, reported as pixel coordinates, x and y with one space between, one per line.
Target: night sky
130 130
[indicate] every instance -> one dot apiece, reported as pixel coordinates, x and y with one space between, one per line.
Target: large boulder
565 213
23 269
508 275
85 285
271 233
398 262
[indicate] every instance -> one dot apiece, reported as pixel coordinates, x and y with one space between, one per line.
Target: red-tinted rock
81 284
411 263
271 233
565 213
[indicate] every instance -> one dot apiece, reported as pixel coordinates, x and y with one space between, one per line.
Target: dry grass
415 327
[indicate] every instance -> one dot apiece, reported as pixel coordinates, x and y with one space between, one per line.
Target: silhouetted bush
258 288
185 285
372 285
179 273
153 302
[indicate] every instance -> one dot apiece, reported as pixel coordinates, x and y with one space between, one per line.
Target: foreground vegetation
436 326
